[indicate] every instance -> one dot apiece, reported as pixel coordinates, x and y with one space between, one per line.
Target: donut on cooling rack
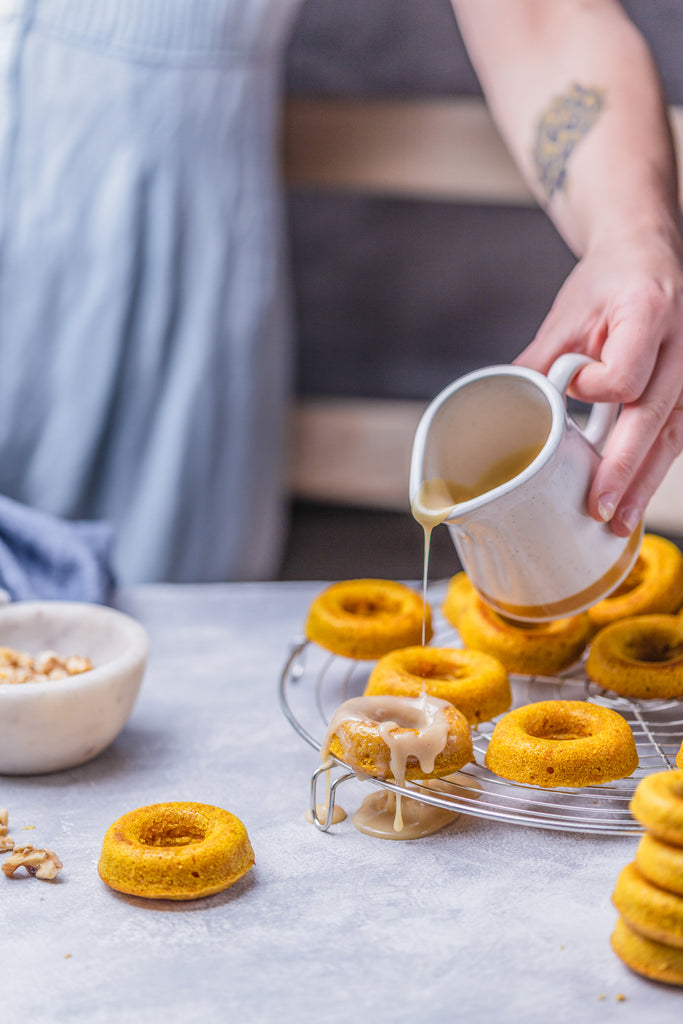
658 805
175 851
661 863
399 738
639 657
652 959
538 648
653 586
647 909
474 682
562 743
366 618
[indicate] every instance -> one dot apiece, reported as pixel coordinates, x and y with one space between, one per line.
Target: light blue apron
144 325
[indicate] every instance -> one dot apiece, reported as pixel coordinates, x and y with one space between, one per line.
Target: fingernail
606 506
630 517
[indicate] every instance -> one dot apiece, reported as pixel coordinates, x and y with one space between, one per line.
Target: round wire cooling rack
314 682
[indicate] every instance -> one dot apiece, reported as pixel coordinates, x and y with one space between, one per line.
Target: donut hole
634 579
182 831
654 646
366 606
429 668
561 727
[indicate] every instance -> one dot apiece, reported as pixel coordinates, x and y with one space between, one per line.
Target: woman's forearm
577 97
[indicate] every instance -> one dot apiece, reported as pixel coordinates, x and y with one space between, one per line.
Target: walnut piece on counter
6 842
39 863
19 667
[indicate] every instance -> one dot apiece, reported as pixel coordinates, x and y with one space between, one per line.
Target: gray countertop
481 922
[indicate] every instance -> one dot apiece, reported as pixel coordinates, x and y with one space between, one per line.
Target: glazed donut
399 738
639 657
661 863
652 959
459 596
562 743
649 910
540 648
365 619
474 682
658 805
679 757
653 586
175 851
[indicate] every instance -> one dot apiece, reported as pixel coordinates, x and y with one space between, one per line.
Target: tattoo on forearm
568 119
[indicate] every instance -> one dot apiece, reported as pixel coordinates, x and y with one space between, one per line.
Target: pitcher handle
603 415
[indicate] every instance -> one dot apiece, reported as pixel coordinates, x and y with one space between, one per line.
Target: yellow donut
175 851
541 648
397 738
562 743
653 586
649 910
661 863
652 959
639 657
365 619
472 681
679 757
658 805
459 596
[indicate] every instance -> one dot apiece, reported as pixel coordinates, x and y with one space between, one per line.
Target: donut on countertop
474 682
367 618
653 586
658 805
661 863
639 657
649 910
399 738
175 851
655 960
562 743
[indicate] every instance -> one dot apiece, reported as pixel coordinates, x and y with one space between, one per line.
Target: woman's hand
623 305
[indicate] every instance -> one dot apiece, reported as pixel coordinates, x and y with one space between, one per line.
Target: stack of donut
648 935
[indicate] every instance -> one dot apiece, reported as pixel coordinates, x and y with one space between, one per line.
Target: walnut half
38 863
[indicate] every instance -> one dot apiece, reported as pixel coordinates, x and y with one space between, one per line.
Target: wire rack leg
325 769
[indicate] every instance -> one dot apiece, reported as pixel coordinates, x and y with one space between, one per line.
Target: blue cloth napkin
43 557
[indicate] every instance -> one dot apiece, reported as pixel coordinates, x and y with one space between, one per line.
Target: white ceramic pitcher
497 457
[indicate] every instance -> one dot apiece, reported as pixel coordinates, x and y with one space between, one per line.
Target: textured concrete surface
483 922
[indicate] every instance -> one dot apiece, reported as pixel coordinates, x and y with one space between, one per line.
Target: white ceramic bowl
60 723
